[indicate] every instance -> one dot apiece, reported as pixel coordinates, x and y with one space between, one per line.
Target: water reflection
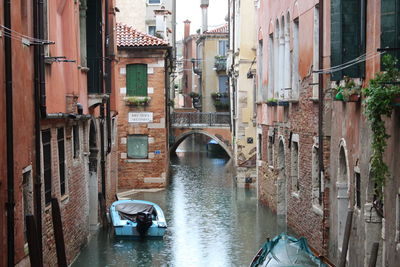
210 220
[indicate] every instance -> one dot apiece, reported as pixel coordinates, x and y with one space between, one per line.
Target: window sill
296 195
317 209
83 69
137 160
64 198
314 99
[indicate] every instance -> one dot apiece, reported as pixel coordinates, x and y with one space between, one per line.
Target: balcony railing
220 63
200 119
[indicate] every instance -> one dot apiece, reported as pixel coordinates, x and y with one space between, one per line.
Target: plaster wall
132 13
210 82
23 118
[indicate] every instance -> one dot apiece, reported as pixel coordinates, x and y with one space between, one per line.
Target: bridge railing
200 119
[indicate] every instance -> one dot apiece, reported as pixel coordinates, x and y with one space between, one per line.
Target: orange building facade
62 118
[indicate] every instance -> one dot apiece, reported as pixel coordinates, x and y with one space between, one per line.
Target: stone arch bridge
215 125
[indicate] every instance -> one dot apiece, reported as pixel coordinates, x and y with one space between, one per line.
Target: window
287 59
137 146
75 133
154 2
316 184
260 70
260 147
223 83
277 60
270 151
270 67
222 47
295 166
347 36
136 80
390 21
61 159
82 31
27 197
316 52
152 30
357 190
46 146
113 131
295 61
46 26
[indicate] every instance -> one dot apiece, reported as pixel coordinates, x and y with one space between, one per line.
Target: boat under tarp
137 218
285 251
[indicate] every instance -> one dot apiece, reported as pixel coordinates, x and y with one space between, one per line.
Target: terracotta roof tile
129 37
222 29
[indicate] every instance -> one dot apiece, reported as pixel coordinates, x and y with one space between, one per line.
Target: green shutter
137 146
390 19
336 37
346 42
136 80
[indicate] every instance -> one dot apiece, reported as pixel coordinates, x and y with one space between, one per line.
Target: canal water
211 222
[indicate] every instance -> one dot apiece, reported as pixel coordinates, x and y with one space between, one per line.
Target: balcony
220 63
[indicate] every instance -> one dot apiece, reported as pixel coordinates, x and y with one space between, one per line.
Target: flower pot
354 98
396 100
272 103
283 103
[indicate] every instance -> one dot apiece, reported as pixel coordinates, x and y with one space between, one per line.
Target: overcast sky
190 9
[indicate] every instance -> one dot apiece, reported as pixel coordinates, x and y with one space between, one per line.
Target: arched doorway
93 179
342 186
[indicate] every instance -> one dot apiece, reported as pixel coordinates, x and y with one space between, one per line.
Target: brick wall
151 172
74 204
300 118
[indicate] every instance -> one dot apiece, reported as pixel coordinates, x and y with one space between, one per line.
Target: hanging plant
380 94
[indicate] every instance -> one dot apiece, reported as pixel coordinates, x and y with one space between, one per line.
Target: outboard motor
144 221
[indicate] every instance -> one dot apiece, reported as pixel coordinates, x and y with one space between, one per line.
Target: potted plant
272 102
137 100
380 95
283 103
193 94
349 92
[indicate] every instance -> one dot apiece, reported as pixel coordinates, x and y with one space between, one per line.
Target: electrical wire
350 63
23 38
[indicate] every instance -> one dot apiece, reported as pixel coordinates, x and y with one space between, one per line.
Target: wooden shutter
346 42
136 80
390 19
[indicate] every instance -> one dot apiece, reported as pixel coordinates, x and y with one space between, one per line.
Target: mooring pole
58 233
34 242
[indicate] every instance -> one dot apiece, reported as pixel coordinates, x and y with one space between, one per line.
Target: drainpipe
40 112
233 70
9 128
108 74
321 106
41 55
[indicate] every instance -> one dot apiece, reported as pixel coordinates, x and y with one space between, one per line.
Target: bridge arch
184 135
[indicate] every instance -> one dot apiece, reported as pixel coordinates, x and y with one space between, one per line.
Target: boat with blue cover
285 251
137 218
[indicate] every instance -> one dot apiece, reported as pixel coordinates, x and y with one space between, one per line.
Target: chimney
187 29
204 7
